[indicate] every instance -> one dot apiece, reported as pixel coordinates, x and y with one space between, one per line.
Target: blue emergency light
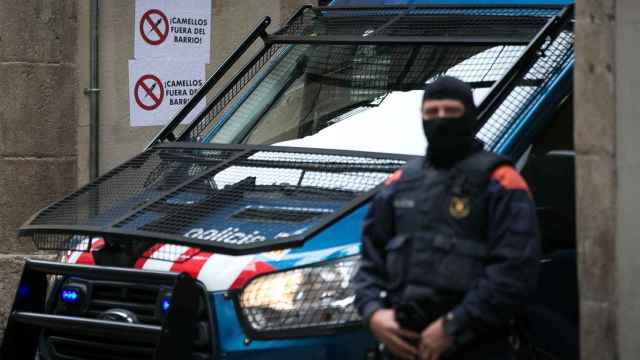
69 295
24 290
166 303
75 297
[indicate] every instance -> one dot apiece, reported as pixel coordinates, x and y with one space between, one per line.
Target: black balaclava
450 139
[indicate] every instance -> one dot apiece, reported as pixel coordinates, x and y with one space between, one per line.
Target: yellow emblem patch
459 207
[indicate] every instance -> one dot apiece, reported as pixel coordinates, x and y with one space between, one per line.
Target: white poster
173 29
159 89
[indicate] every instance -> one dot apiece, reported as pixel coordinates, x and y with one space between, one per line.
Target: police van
236 236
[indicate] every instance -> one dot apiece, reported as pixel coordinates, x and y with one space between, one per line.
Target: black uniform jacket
510 273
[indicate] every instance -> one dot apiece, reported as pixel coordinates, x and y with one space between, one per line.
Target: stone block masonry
38 120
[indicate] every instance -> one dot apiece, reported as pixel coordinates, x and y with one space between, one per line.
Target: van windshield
353 97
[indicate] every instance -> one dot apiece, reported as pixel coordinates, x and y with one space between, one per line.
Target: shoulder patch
393 178
509 178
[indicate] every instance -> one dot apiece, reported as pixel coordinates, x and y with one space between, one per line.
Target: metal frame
174 339
167 133
443 40
260 31
546 107
499 91
229 85
113 233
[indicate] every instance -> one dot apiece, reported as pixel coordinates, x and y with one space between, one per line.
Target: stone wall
39 92
607 114
595 176
627 58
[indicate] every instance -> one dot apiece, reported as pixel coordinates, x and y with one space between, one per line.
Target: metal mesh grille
528 89
424 22
358 74
283 186
339 77
130 185
373 71
215 197
63 242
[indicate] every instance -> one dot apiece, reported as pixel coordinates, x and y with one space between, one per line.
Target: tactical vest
440 221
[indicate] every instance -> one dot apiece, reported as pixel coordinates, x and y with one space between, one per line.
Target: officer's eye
453 111
430 112
442 111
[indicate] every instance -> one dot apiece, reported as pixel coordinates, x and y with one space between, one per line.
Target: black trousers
486 349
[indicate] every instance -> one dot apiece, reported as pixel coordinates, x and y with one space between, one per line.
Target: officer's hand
384 327
434 341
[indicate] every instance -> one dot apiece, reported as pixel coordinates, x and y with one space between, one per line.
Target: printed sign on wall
171 29
158 90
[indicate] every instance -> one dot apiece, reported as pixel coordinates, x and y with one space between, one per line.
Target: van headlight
309 299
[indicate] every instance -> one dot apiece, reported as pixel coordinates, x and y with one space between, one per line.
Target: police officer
450 245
